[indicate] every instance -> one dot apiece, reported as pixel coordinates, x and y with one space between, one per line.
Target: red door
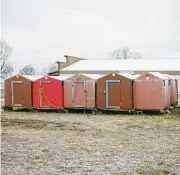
46 96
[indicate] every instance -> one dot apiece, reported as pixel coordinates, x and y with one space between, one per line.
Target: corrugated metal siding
7 90
173 90
178 78
122 93
52 93
150 93
79 91
25 98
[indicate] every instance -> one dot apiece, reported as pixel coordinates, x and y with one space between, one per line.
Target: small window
169 82
163 83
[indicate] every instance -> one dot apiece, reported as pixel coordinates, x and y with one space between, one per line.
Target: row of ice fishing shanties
149 91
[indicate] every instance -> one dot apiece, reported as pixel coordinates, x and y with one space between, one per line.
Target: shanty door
44 94
113 94
17 93
79 94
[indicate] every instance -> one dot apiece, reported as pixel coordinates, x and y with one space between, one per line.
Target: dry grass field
2 93
53 143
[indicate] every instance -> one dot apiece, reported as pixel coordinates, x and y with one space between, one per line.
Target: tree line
30 70
7 68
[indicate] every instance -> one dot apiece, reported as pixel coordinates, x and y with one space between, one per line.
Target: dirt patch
51 143
40 124
2 93
176 112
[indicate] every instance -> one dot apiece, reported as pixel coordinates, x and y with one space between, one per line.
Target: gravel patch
52 143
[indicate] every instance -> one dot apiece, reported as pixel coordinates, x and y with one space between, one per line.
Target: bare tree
5 52
7 70
28 70
136 55
124 53
43 72
51 68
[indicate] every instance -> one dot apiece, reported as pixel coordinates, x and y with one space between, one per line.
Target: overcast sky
43 31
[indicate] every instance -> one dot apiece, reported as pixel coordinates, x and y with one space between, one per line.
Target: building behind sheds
76 65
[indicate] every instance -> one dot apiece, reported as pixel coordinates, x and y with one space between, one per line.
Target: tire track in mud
41 124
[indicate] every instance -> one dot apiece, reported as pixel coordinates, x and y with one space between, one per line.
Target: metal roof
32 77
169 76
130 64
159 75
129 76
93 76
61 77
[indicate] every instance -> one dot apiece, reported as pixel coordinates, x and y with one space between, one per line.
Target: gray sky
43 31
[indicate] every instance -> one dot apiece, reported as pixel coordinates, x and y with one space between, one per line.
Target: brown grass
2 93
41 143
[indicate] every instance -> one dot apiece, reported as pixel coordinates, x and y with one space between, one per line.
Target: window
169 82
164 83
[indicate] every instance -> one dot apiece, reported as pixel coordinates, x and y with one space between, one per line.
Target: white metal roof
169 76
159 75
32 77
61 77
129 76
130 64
93 76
